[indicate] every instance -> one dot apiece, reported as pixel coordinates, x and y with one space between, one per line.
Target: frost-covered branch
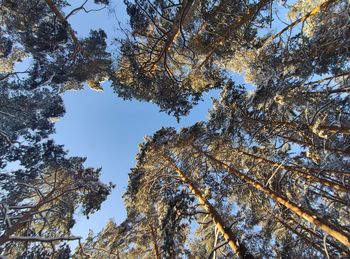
42 239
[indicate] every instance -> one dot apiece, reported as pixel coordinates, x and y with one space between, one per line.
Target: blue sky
107 130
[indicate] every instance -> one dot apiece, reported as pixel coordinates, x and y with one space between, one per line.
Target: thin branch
42 239
216 248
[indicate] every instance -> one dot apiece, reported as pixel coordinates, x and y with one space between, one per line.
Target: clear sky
107 129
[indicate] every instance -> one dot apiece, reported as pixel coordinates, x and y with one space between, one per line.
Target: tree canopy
41 186
266 176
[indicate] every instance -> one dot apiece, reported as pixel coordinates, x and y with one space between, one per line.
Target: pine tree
40 32
38 202
111 242
285 197
170 55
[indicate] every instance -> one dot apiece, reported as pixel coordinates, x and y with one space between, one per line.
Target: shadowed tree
38 202
39 31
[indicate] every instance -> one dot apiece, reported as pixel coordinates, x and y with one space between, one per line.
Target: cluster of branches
167 56
176 50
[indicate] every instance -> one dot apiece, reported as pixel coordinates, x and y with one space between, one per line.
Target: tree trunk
174 32
63 20
238 248
155 244
338 234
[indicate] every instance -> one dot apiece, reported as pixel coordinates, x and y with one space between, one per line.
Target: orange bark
240 249
338 234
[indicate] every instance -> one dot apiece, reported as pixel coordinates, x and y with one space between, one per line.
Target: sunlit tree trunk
338 234
238 248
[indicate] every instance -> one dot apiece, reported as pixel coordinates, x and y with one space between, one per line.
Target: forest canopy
267 175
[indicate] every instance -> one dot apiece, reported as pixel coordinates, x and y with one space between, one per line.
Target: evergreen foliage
41 186
266 176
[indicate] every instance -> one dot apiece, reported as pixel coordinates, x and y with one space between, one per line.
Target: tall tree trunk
155 243
180 18
63 20
238 248
338 234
